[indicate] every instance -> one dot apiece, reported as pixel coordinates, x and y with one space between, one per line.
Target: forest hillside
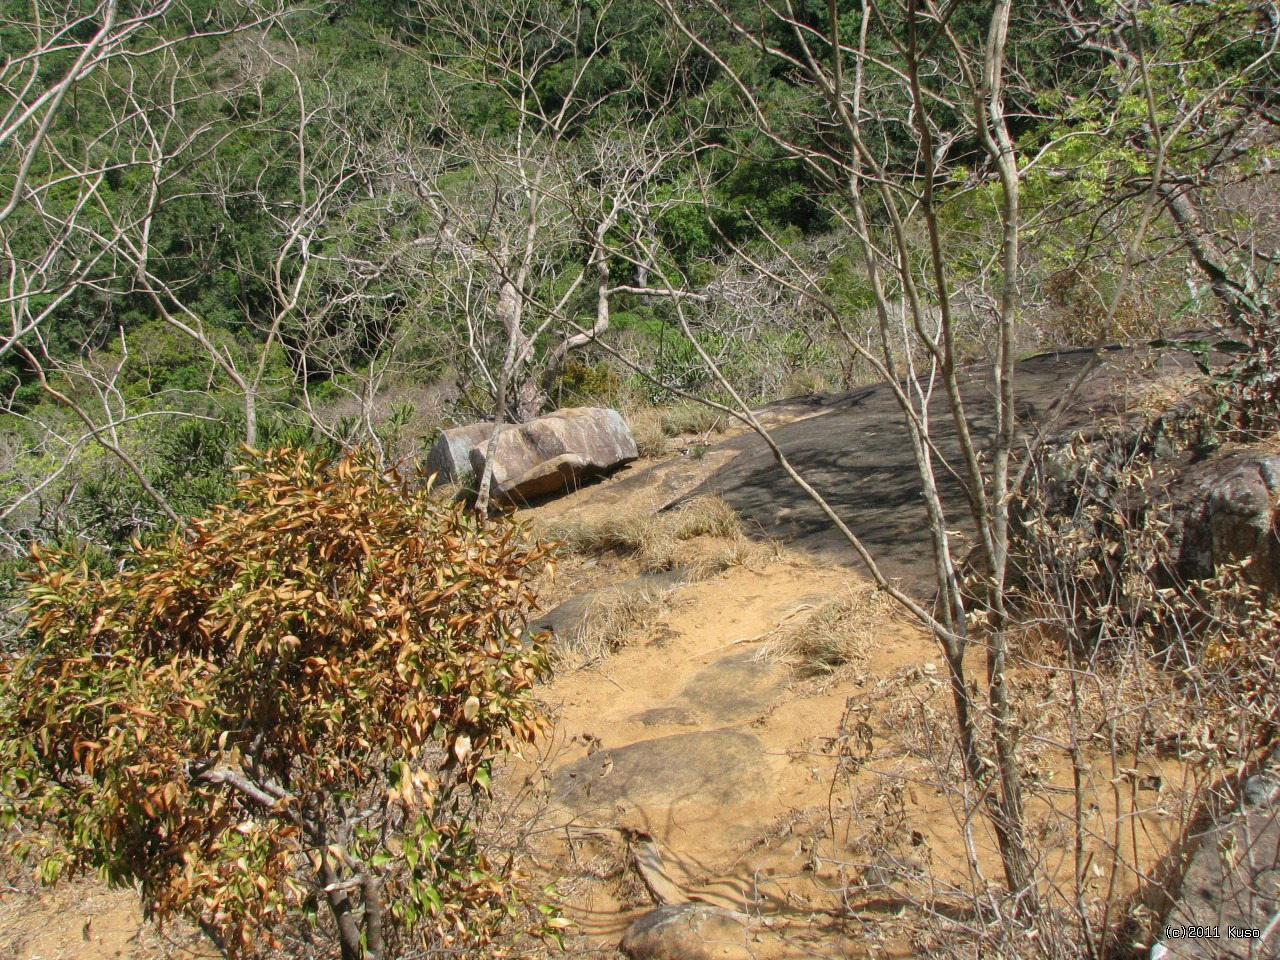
257 258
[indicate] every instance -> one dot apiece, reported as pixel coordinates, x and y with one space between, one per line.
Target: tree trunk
340 907
509 310
1236 299
250 420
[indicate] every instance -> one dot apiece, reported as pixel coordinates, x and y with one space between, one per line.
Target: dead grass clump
612 617
801 383
838 633
685 418
655 540
661 541
653 427
739 551
646 428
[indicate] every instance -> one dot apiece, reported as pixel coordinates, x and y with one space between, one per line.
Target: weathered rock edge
537 458
688 931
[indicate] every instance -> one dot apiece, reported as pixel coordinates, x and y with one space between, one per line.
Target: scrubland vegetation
336 229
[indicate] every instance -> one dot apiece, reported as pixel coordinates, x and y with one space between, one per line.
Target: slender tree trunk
509 314
340 907
600 265
250 419
371 890
1237 299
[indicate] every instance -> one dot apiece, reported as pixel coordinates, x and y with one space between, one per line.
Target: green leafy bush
292 703
582 384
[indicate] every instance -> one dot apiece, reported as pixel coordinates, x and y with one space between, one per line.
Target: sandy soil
686 736
84 921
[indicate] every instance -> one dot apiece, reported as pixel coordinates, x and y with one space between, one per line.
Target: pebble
1261 791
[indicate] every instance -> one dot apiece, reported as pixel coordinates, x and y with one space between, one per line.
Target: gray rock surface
668 717
1231 892
1227 509
688 931
1227 906
734 687
537 458
570 616
714 766
1261 791
857 453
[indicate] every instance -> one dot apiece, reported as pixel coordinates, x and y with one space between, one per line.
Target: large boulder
1220 506
542 456
1227 509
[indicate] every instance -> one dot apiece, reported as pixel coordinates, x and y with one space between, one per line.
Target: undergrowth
658 541
837 633
610 619
655 427
697 539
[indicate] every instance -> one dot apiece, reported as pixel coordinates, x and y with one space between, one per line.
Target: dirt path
685 735
690 736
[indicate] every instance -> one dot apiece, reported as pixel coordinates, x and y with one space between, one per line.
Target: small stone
688 931
1261 791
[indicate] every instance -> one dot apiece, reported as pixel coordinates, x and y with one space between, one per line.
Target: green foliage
194 458
294 701
848 287
581 384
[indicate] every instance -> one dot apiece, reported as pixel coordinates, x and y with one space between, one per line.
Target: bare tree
56 197
88 111
900 110
535 215
327 170
891 208
43 263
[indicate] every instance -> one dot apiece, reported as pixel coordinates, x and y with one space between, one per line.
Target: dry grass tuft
700 538
612 617
646 428
740 551
653 427
687 418
657 541
836 634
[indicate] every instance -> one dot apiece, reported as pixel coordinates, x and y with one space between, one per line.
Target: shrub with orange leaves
282 718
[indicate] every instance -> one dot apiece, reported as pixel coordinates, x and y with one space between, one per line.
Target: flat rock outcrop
707 766
537 458
688 931
857 453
